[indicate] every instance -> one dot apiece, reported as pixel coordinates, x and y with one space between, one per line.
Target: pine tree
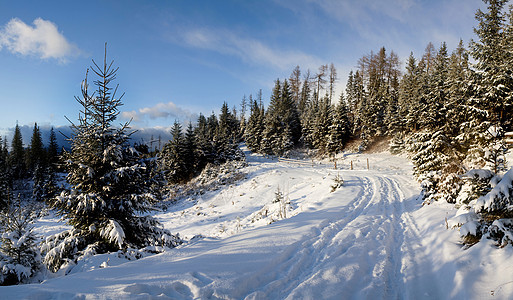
320 81
205 144
493 82
4 177
190 146
172 156
322 125
295 85
360 98
17 155
227 130
255 127
110 186
308 120
305 96
457 79
332 80
409 95
282 125
53 151
490 86
339 130
242 120
437 89
36 154
271 136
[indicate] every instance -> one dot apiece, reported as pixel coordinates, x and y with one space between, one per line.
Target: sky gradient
179 58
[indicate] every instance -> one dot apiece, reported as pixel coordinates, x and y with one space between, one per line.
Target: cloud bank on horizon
165 111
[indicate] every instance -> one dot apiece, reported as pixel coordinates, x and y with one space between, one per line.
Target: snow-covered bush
476 183
211 178
19 254
278 196
429 185
449 188
338 182
490 210
498 203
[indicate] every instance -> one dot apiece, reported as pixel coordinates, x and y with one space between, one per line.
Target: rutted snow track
359 254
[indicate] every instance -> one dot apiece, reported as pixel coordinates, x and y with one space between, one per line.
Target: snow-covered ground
369 239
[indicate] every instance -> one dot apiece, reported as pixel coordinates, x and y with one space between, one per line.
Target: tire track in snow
417 268
370 252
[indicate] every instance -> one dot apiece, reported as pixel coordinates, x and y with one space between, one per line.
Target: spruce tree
322 125
437 89
490 87
36 154
339 130
190 150
53 150
110 186
282 125
409 95
305 95
205 144
172 156
17 155
493 83
20 258
4 177
255 127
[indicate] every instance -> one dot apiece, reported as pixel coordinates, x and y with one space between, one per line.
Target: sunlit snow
369 239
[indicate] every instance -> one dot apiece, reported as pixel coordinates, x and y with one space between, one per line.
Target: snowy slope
368 239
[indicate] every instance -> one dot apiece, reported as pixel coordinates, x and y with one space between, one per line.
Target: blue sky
179 58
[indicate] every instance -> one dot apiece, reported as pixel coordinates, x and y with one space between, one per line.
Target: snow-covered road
369 239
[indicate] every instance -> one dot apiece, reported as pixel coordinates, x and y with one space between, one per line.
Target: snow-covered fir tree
205 148
282 125
172 156
339 130
110 185
322 125
255 127
409 95
20 258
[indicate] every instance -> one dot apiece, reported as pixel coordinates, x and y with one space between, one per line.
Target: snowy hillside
368 239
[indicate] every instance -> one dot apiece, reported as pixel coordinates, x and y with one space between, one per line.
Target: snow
114 233
370 238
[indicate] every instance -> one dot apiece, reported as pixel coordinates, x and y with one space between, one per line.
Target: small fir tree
20 258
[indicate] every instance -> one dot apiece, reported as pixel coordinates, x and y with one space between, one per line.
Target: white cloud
161 110
248 49
42 40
